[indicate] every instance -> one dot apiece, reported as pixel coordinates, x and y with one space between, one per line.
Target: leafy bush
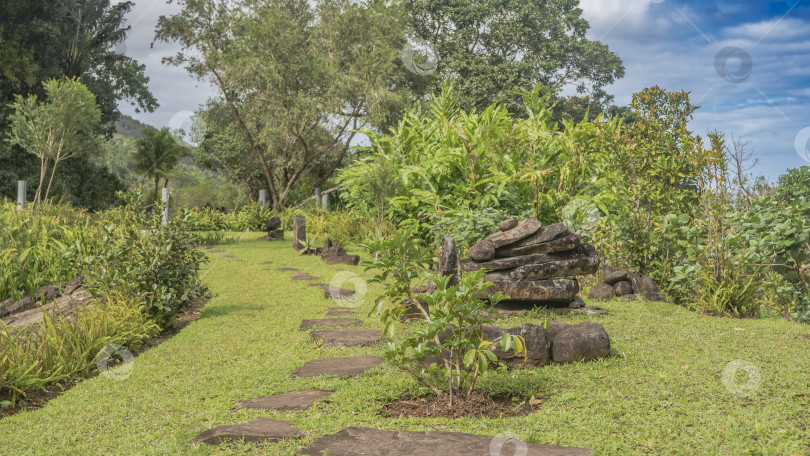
467 227
142 258
250 217
454 361
65 348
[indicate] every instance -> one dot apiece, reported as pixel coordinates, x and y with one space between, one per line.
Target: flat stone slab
217 251
266 262
309 324
287 269
340 313
580 310
294 400
330 292
346 337
304 276
366 441
259 430
347 366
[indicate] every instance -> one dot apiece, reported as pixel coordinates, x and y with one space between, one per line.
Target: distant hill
128 127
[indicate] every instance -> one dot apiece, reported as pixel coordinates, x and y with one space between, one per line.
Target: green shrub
140 257
452 363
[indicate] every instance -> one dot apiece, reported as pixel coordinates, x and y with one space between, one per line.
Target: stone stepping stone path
335 292
266 262
304 276
356 441
287 269
259 430
294 400
347 366
228 256
346 337
309 324
340 312
216 251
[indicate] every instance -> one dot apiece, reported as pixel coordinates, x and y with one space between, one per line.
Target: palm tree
157 154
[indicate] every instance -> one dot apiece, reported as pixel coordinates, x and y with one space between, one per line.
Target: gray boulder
622 288
654 296
536 345
482 251
273 224
585 341
601 291
649 284
507 224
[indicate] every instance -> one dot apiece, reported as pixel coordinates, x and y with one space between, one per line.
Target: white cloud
771 30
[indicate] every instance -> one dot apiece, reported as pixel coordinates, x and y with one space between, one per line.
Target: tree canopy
494 48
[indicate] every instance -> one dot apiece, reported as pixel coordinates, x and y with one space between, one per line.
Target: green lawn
665 395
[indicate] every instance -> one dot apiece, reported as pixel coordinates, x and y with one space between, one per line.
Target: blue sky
747 64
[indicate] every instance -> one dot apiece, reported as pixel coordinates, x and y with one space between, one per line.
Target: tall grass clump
64 348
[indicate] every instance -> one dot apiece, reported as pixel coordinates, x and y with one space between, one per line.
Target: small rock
24 304
448 260
585 341
535 345
622 288
46 293
299 232
73 284
601 291
615 276
649 284
630 297
577 303
273 224
635 282
482 251
655 296
351 260
507 224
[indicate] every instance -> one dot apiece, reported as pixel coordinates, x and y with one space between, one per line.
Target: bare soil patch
478 405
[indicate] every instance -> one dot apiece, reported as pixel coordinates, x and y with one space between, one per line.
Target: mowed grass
661 394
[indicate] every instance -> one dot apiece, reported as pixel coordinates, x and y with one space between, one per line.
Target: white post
317 196
263 198
165 197
325 202
21 190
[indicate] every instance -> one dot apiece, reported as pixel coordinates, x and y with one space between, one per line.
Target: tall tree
156 154
299 78
46 39
493 48
56 129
